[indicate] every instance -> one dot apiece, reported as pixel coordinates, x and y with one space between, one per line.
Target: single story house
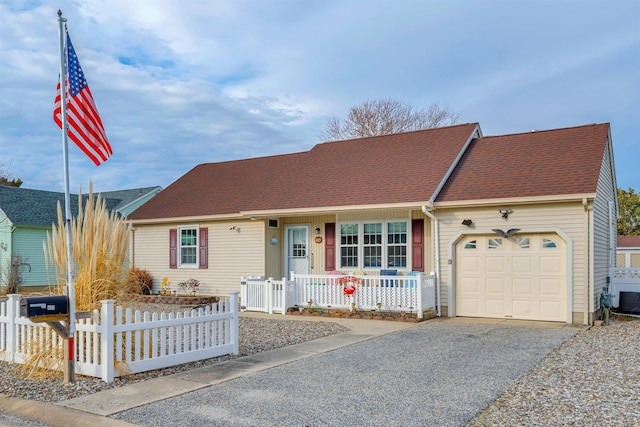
514 226
26 215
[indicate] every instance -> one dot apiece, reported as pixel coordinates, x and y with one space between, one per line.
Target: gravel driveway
438 373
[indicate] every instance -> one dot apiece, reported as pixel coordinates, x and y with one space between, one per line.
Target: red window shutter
330 246
417 245
173 248
203 244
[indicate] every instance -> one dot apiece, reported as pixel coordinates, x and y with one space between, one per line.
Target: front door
297 241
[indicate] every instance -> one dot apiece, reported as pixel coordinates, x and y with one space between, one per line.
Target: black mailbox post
45 309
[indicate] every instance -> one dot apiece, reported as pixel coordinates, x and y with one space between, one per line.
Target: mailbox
45 309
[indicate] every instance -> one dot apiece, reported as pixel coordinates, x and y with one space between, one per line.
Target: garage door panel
495 264
551 287
496 286
470 286
494 307
522 277
524 287
522 264
469 264
551 310
471 306
525 309
550 264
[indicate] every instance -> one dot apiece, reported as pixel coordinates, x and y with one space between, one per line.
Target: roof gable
400 168
538 163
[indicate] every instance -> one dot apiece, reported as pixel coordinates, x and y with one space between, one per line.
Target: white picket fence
111 343
387 293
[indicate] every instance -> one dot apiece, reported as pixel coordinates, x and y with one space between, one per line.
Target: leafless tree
5 178
386 116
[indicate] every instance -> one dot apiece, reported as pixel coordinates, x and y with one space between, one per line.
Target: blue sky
179 83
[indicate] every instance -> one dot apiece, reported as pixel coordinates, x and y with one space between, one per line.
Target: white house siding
605 193
232 254
567 219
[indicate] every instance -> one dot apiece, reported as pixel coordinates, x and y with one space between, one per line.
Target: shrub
139 282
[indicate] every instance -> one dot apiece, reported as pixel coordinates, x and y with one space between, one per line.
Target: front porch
313 294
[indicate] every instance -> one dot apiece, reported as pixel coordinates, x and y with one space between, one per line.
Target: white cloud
184 82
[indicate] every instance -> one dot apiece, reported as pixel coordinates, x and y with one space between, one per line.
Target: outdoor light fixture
467 222
505 212
318 230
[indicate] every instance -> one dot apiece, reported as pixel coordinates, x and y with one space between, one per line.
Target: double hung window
188 249
373 245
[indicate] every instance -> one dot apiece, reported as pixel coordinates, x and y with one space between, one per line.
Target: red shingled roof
400 168
628 242
537 163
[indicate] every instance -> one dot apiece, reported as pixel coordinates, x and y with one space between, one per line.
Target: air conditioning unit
629 303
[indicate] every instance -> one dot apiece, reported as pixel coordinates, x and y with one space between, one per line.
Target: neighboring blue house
27 215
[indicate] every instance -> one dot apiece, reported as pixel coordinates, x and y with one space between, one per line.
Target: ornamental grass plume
100 243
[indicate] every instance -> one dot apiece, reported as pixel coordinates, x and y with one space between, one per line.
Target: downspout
587 249
437 243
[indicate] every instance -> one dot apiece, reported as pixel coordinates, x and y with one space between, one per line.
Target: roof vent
534 130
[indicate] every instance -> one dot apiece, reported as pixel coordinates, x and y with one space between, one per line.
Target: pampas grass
100 242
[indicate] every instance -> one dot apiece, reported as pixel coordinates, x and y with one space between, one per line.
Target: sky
184 82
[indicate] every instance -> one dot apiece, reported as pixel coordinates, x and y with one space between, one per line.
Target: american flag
83 121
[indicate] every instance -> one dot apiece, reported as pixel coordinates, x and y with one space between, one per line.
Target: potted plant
164 287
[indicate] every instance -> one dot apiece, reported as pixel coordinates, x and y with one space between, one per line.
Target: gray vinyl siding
605 193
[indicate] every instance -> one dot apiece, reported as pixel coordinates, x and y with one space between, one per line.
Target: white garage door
520 277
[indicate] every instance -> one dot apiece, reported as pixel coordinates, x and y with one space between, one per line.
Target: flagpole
70 349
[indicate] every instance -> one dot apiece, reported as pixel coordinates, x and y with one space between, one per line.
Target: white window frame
180 246
360 246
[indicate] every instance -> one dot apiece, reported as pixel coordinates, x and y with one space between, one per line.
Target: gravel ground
256 335
591 380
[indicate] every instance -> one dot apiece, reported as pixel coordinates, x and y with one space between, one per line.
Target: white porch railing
134 341
388 293
269 296
624 280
